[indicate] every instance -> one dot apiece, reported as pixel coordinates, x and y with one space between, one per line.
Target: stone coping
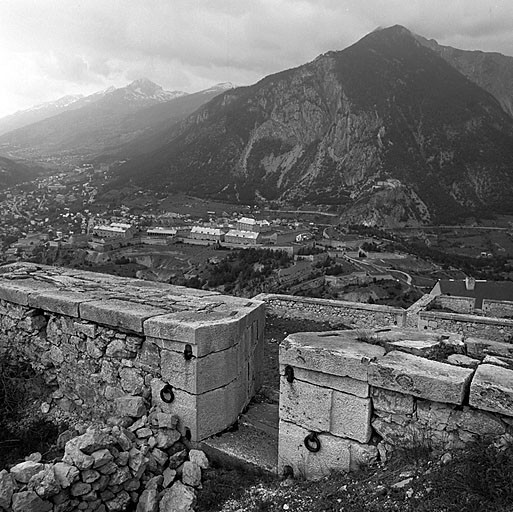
145 307
376 308
396 364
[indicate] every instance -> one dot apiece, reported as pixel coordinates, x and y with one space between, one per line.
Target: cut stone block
391 401
206 330
350 417
335 454
336 353
415 347
198 375
19 290
492 389
413 375
479 347
118 313
206 414
305 404
505 362
344 384
59 301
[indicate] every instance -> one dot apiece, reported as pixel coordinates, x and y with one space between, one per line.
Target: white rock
199 457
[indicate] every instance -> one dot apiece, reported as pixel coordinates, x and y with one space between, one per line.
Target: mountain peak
144 84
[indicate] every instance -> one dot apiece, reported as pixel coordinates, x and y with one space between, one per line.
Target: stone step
262 416
253 447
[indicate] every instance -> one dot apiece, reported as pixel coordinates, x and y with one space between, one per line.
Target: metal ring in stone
166 394
312 442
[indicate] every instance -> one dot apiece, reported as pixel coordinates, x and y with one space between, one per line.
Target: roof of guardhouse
495 290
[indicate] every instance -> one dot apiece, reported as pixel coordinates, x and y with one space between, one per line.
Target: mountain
491 71
12 173
49 109
160 121
101 122
385 131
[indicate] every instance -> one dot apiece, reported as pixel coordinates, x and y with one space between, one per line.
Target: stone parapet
198 354
347 396
338 312
468 325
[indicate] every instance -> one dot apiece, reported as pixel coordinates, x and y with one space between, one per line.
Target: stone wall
463 305
500 329
103 341
337 312
347 400
498 308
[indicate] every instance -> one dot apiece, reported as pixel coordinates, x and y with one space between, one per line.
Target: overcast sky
50 48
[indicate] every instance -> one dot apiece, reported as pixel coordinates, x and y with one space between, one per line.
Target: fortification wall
497 308
500 329
108 343
464 305
350 314
345 401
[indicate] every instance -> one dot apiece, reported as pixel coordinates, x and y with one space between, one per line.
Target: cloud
54 47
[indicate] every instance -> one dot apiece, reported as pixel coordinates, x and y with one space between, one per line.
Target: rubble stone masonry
103 341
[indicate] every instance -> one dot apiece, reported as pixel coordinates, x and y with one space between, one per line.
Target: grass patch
477 479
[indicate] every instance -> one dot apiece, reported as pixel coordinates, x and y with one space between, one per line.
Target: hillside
112 120
12 173
386 131
491 71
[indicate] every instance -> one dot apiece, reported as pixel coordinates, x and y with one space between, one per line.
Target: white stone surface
306 405
492 389
336 353
335 454
409 374
350 417
199 375
344 384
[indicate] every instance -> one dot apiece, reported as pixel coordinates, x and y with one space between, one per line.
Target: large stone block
19 290
206 414
480 347
206 330
492 389
59 301
200 374
413 375
335 453
344 384
305 404
336 353
350 417
119 313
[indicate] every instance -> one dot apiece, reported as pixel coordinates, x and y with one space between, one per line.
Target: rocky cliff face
386 130
491 71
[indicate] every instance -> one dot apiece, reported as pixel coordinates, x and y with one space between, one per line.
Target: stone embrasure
414 375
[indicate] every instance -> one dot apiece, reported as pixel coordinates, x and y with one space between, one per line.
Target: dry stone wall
350 314
500 329
111 344
347 400
497 308
464 305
